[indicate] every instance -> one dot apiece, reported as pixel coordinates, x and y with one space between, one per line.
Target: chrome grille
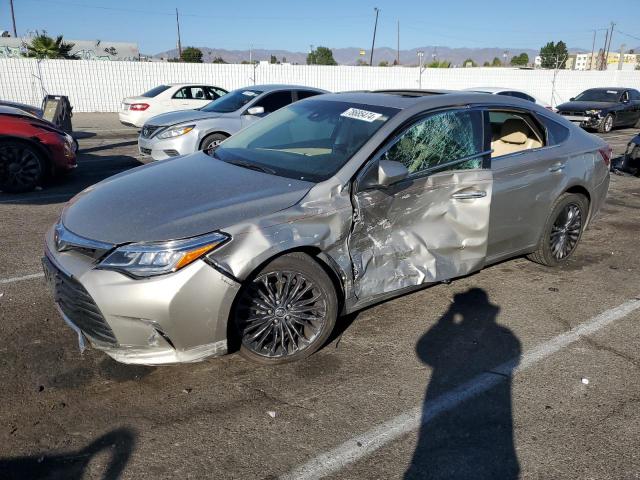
571 113
148 130
76 303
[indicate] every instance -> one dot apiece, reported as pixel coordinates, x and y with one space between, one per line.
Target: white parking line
356 448
20 279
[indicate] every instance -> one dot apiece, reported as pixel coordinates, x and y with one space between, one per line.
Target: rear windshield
231 101
308 140
154 92
599 96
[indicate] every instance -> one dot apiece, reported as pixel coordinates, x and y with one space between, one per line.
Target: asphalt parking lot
516 371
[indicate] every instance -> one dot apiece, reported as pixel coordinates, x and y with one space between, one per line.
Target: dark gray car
322 208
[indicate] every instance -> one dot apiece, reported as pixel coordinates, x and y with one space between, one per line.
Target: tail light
139 106
606 153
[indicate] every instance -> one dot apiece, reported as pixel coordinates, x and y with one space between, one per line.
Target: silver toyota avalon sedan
322 208
187 131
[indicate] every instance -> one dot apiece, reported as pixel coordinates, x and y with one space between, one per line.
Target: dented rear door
433 225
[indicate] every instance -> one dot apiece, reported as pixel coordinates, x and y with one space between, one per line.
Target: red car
31 149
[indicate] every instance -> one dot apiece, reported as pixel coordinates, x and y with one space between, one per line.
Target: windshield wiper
252 166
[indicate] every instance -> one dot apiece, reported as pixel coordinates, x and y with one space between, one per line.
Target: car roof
426 99
491 89
6 110
268 87
603 89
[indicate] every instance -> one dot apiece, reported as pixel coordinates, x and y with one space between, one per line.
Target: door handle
557 167
468 195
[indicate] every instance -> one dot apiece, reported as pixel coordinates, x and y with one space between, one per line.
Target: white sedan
134 111
510 92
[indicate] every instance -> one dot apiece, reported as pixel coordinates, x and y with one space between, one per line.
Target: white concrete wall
94 86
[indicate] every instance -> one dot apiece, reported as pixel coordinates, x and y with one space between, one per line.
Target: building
586 61
13 47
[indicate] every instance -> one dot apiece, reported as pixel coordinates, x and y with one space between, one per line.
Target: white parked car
134 111
510 92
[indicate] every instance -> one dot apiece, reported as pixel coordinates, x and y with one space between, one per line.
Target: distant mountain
349 56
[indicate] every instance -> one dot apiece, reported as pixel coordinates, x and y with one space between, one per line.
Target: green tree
383 63
273 59
439 64
321 56
191 55
44 46
361 63
469 63
521 60
219 60
496 62
486 64
554 55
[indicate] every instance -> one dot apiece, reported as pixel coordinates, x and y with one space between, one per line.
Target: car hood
178 198
173 118
582 106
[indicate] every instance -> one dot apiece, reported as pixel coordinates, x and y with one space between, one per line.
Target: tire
606 125
22 167
561 234
265 327
212 140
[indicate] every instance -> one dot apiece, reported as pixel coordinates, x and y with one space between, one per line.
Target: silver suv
179 133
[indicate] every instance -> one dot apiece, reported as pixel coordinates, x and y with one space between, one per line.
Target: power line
628 35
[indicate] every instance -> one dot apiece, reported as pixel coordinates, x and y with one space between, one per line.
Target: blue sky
294 25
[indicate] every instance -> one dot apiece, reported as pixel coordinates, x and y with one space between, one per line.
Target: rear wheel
22 167
562 231
606 125
286 312
212 141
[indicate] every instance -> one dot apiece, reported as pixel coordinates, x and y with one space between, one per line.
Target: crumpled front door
420 231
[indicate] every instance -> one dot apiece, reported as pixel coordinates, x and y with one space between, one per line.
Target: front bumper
160 149
174 318
584 120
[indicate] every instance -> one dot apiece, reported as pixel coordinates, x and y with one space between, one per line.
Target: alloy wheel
282 313
608 123
20 168
565 231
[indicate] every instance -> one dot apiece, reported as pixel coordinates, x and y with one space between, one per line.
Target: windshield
154 92
231 101
599 96
309 140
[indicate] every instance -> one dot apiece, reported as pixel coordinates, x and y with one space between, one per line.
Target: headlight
593 112
149 259
176 131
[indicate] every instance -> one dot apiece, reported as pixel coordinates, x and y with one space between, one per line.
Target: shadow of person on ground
118 444
474 439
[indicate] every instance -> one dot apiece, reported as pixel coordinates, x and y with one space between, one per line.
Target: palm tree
44 46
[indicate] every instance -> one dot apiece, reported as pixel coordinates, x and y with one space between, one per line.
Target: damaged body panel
321 208
422 231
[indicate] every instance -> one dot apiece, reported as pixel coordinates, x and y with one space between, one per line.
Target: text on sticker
359 114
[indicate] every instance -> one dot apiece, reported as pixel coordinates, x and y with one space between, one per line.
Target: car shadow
467 349
117 444
91 169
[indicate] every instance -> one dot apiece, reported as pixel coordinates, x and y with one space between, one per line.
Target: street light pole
420 68
373 43
13 18
179 43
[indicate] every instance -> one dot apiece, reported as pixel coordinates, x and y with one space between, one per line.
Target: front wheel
286 312
210 142
562 231
606 125
22 167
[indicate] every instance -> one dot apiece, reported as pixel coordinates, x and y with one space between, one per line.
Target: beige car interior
514 136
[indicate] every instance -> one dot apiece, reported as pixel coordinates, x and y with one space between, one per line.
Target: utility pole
609 46
398 50
604 51
593 47
13 18
373 43
179 43
420 68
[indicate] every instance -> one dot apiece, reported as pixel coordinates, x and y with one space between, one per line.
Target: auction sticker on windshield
359 114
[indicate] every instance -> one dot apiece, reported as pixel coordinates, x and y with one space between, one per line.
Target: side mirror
390 172
255 111
625 100
572 99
